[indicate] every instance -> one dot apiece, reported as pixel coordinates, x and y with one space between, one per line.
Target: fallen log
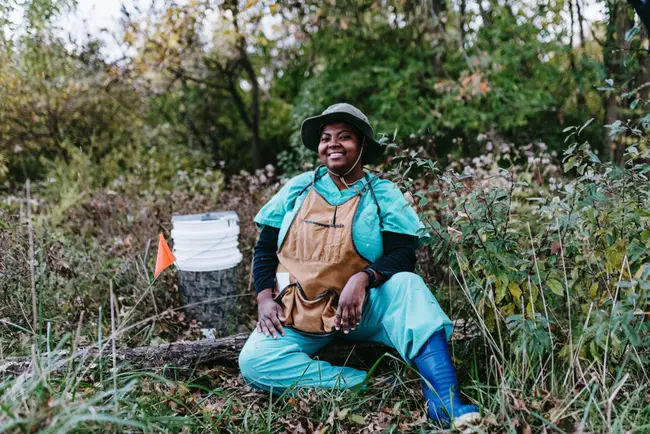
183 357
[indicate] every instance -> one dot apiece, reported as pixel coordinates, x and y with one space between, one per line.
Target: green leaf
556 287
571 163
645 235
634 103
515 290
632 33
356 418
586 124
592 157
645 121
500 291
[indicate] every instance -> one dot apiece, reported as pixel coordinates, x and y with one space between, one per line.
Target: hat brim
311 127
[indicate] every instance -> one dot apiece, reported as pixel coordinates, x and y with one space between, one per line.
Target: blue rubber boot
442 392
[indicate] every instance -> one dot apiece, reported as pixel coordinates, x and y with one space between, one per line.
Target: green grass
517 394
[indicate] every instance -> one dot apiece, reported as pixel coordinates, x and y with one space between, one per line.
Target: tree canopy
233 80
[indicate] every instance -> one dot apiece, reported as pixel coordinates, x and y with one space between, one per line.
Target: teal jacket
397 214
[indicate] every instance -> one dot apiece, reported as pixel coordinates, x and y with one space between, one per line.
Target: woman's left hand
351 301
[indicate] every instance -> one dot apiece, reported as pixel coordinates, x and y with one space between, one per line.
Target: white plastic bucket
206 242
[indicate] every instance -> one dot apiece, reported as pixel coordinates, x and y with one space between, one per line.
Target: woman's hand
270 316
348 313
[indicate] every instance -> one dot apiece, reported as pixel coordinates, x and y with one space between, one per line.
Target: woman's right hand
270 316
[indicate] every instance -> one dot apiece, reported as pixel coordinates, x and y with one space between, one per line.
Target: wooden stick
32 272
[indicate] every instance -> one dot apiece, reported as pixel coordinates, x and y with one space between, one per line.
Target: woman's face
339 147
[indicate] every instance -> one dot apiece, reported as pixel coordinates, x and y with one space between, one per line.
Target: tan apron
317 258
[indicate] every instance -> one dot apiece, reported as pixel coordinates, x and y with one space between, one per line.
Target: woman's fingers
348 316
277 324
259 326
357 316
265 329
345 318
280 313
271 327
337 318
354 317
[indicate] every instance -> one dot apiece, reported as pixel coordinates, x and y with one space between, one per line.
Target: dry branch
183 357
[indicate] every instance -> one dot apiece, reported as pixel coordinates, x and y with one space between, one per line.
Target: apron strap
372 191
368 184
313 182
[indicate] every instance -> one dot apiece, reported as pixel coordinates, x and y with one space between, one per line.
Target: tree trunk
581 21
580 98
440 9
644 62
461 19
258 162
613 53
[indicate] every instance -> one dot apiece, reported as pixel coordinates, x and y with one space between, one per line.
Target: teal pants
402 313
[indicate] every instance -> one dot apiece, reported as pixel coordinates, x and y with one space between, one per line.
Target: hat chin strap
342 177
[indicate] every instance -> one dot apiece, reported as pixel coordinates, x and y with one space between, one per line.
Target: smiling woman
335 259
340 150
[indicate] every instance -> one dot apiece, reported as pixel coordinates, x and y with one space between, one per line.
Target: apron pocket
319 242
312 316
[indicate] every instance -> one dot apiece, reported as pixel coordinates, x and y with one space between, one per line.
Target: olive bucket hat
342 112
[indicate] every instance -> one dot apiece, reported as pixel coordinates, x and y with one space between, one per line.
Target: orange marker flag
165 257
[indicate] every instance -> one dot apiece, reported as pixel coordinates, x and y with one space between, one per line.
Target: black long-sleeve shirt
399 255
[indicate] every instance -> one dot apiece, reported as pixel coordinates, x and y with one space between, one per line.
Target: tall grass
538 392
518 392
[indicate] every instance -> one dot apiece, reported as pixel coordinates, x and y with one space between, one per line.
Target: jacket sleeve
265 259
399 254
397 214
273 212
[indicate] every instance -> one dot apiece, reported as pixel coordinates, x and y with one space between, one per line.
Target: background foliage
517 129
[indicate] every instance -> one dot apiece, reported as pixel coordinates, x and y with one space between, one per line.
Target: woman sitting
335 258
